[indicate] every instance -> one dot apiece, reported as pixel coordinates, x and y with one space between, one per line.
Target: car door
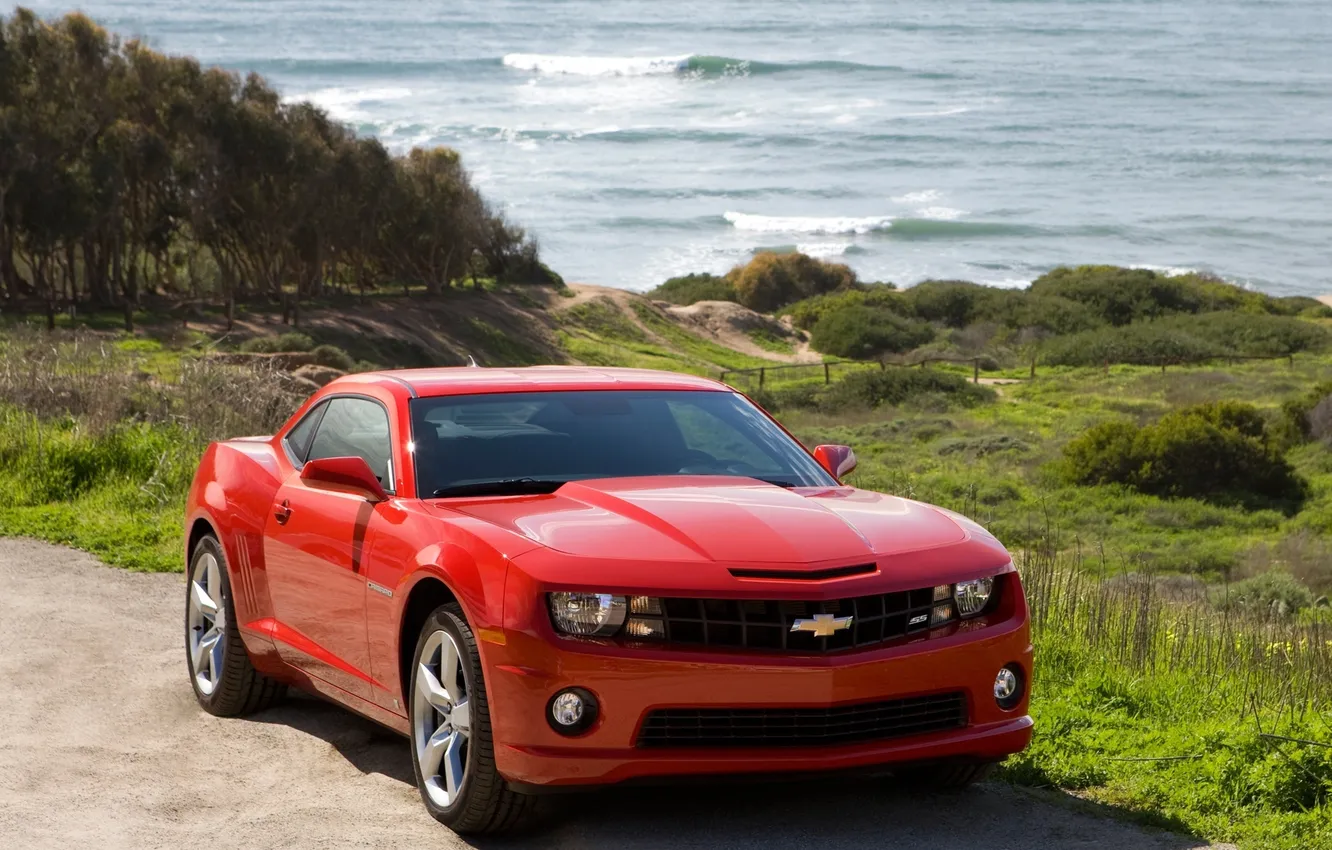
316 540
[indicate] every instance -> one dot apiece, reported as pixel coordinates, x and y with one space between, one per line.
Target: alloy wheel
441 718
207 622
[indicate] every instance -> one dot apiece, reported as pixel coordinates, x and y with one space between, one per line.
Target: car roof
479 380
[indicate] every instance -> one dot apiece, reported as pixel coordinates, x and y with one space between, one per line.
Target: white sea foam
823 250
1168 271
807 224
939 213
923 197
597 66
346 103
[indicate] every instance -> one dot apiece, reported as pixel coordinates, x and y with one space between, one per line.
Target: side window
298 438
704 431
356 427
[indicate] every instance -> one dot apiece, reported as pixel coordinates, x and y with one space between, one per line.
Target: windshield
533 442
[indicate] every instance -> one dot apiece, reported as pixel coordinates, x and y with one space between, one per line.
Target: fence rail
827 367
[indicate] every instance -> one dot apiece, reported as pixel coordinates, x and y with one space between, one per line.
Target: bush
692 288
293 341
772 280
867 332
1296 424
1274 593
805 314
895 385
333 357
1145 344
1120 295
1218 452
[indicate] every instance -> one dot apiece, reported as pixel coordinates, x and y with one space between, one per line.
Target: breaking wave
686 64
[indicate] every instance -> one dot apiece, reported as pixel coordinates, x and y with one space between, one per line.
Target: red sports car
555 577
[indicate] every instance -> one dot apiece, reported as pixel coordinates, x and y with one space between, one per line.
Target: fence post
1033 364
975 371
1291 359
762 371
827 377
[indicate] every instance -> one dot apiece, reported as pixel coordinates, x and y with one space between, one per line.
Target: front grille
762 624
802 727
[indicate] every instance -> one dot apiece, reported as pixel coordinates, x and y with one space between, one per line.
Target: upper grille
762 624
795 727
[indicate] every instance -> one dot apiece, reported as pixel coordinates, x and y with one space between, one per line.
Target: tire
482 802
946 777
236 689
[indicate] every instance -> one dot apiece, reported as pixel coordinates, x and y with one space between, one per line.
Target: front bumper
528 663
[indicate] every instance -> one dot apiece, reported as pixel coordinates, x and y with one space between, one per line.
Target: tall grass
98 442
1191 716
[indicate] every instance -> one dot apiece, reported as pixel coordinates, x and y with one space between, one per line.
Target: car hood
715 518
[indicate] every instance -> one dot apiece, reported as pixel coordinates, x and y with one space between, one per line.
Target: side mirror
838 460
350 474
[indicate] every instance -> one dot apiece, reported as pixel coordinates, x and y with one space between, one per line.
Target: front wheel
452 752
225 682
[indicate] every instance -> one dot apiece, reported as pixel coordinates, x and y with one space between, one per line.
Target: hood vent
807 575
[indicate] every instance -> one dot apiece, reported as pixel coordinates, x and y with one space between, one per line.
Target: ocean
986 140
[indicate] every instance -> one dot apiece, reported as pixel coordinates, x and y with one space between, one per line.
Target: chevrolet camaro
550 578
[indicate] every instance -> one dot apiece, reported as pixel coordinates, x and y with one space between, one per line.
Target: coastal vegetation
1155 449
127 174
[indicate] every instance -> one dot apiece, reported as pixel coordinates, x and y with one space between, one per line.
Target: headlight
973 596
599 614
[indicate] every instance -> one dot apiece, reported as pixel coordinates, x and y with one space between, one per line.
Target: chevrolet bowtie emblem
822 625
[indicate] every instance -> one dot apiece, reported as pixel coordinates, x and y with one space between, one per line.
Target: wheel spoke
431 688
215 658
461 716
203 601
453 765
448 671
214 574
208 642
433 751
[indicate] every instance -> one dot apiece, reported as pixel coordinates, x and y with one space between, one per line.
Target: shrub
805 314
260 345
1217 452
1275 593
692 288
1296 423
1120 295
333 357
895 385
294 341
867 332
772 280
1249 334
1148 343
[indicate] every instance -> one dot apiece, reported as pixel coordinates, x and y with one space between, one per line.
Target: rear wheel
225 682
452 751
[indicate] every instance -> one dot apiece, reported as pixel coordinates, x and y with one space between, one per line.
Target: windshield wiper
503 487
776 481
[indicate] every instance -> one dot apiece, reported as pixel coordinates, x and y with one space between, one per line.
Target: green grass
768 341
694 347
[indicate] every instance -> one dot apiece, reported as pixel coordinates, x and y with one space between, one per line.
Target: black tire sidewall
449 619
210 545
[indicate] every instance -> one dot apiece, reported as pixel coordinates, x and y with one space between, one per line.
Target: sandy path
101 745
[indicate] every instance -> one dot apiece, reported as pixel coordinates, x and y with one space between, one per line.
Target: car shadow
815 812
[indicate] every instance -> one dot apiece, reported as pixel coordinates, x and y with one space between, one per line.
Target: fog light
567 708
572 712
1008 687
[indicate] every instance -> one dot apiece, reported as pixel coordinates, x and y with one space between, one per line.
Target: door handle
282 512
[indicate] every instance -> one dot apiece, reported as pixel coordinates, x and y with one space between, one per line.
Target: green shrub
805 314
1255 335
1120 295
692 288
1147 343
1274 592
771 280
260 345
866 332
1296 422
895 385
295 341
1217 452
333 357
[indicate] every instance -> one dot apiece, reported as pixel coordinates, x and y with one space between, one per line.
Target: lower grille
802 727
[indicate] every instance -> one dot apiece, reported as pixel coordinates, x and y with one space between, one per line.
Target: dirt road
102 746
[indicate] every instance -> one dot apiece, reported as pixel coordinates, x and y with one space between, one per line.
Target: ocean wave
922 197
1168 271
686 64
921 229
940 213
807 224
